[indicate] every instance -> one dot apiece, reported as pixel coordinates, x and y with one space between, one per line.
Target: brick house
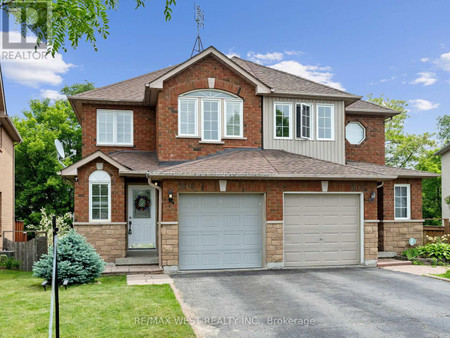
9 137
221 163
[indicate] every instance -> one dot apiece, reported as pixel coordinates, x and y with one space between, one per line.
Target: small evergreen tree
77 261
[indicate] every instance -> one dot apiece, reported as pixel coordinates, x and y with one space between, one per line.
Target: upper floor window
304 121
355 133
114 127
283 120
402 201
220 115
325 122
99 196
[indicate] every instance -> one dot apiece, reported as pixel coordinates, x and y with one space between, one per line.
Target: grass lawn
445 275
109 309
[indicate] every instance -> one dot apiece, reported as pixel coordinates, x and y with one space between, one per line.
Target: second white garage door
321 229
220 231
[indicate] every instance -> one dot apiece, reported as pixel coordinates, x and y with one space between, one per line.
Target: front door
141 217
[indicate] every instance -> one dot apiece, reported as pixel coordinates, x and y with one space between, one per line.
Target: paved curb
186 310
437 277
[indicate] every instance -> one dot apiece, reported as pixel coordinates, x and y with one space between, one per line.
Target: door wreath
142 203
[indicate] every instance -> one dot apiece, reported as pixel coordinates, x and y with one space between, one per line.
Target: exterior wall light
372 196
171 197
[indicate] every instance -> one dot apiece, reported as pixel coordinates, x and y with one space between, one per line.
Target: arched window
220 114
99 196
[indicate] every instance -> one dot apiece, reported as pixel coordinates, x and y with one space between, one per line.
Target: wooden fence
434 231
19 234
27 252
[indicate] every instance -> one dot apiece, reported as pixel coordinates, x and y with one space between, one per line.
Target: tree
38 184
443 125
70 21
403 150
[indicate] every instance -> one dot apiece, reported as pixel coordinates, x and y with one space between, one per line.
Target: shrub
440 251
9 263
411 253
439 239
77 261
63 223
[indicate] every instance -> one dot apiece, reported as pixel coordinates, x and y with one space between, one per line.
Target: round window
355 133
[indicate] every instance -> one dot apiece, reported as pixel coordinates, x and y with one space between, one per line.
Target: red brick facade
144 133
82 192
171 148
372 149
416 198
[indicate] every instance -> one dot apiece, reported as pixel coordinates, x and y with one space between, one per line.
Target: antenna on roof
199 17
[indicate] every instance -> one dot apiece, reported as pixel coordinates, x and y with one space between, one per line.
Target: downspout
159 215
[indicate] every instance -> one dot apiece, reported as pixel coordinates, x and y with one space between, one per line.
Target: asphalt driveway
341 302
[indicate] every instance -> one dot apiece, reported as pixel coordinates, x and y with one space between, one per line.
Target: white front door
141 217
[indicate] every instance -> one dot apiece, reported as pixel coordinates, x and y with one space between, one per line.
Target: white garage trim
361 213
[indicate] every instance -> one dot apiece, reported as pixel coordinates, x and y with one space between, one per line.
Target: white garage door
321 229
220 231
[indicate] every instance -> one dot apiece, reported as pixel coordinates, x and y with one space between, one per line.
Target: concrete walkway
418 269
148 279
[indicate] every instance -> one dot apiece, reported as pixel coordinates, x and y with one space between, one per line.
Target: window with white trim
303 121
325 122
402 201
114 127
221 115
283 118
211 120
99 196
355 133
187 117
233 118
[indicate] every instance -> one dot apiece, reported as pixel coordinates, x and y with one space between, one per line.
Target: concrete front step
391 262
137 260
386 254
111 270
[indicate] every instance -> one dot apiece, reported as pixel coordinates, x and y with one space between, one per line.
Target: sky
397 48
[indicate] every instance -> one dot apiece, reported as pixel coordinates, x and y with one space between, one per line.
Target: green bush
440 251
9 263
77 261
411 253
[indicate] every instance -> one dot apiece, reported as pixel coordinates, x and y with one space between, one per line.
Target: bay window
114 127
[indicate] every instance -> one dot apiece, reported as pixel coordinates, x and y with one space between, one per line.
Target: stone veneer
169 238
274 242
108 240
370 241
396 235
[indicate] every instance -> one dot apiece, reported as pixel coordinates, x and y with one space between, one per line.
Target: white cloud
421 104
319 74
265 58
33 69
293 52
52 94
232 54
425 78
424 60
443 62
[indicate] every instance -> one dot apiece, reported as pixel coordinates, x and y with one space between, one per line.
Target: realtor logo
24 23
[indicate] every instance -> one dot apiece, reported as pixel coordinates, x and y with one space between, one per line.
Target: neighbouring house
9 137
445 180
221 163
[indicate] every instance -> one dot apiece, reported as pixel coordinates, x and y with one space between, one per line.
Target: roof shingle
385 170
